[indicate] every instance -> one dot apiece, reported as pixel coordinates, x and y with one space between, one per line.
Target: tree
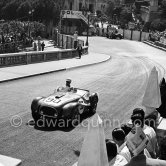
163 9
44 10
158 25
125 16
110 9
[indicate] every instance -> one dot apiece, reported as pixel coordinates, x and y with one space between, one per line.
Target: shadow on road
58 125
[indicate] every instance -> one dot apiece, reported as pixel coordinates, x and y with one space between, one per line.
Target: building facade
87 5
149 13
77 15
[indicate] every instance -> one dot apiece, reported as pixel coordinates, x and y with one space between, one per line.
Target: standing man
79 49
75 39
42 46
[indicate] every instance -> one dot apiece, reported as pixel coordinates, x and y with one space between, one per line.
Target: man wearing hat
138 117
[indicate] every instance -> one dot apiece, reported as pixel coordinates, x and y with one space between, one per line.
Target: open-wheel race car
64 104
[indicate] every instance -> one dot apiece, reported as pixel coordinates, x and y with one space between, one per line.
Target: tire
93 108
75 117
35 116
93 100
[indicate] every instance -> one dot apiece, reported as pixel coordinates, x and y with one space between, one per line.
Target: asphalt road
120 82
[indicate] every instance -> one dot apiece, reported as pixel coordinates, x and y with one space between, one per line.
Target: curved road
120 82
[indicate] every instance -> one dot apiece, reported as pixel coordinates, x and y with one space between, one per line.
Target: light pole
30 14
87 43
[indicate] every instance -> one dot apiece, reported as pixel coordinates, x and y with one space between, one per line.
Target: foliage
158 25
110 9
163 9
44 10
18 27
125 16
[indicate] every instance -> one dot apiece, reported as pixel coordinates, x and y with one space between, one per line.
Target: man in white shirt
119 136
138 115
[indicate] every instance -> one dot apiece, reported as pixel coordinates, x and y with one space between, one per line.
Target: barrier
64 41
67 41
129 34
157 43
36 57
136 35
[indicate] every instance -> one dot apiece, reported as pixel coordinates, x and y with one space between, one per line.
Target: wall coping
37 52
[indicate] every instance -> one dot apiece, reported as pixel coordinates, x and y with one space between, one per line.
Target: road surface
120 82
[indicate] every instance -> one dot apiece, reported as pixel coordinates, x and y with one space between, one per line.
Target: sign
136 140
131 25
70 14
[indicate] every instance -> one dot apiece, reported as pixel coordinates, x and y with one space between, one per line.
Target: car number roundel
50 99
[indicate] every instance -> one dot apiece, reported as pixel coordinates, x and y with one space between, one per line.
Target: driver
67 87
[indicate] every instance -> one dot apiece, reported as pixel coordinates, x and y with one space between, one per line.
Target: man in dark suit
79 49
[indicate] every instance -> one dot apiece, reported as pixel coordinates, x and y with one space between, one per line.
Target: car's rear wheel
93 108
93 101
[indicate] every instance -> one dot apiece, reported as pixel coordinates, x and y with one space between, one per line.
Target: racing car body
112 32
114 35
64 105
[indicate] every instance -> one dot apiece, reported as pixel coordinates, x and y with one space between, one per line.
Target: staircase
83 18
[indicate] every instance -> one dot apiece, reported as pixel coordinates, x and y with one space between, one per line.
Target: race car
114 35
112 32
64 104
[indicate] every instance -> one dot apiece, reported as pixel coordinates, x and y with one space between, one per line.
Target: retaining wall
36 57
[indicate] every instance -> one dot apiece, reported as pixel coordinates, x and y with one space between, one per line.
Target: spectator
119 137
34 45
102 31
75 39
38 45
79 49
162 107
114 158
55 37
140 159
138 117
163 149
42 46
126 128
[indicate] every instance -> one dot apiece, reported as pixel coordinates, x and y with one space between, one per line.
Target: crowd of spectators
158 36
148 153
10 43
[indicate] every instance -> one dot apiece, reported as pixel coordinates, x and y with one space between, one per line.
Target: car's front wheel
35 116
75 117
